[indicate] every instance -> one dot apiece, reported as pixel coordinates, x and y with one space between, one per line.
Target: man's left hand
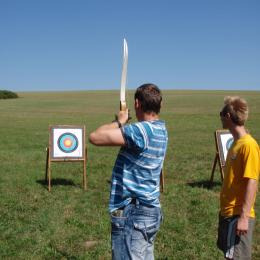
242 225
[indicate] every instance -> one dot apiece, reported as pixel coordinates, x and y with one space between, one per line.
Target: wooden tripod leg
49 171
84 176
162 180
47 164
221 172
84 171
213 169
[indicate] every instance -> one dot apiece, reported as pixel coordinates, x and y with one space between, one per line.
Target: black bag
227 237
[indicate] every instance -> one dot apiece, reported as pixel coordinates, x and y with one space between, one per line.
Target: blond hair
237 108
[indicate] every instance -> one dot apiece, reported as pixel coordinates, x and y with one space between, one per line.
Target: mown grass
68 223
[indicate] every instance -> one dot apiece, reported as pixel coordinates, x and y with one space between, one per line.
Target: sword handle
123 106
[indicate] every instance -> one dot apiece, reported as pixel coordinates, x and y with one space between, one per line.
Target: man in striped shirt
135 186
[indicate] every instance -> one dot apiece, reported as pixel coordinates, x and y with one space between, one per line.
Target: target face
67 142
225 141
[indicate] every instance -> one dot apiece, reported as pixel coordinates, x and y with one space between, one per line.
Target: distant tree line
4 94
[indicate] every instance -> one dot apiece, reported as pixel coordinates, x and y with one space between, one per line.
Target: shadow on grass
204 184
56 182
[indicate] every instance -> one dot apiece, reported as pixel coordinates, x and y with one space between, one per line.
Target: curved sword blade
123 77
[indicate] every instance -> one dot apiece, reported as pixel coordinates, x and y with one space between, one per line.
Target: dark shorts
234 246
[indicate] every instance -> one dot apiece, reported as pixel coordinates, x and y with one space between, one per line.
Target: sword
123 78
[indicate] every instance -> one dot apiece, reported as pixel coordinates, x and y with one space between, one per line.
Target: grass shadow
204 184
57 181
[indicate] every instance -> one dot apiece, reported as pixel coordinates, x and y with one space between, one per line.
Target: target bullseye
67 142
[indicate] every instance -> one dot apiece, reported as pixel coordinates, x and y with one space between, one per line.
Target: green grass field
69 223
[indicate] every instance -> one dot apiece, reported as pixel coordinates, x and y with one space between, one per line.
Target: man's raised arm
110 134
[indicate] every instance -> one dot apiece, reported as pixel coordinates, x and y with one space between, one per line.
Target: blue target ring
229 143
68 142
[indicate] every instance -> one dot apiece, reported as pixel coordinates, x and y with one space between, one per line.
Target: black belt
119 212
134 201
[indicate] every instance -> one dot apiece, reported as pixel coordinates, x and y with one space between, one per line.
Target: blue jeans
133 233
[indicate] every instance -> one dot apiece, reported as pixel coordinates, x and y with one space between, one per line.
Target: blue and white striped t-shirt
136 173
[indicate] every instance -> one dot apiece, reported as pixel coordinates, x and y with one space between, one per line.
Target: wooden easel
219 156
217 160
50 157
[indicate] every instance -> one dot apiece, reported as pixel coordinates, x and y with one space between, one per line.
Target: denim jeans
133 233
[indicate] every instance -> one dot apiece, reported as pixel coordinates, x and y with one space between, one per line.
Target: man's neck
238 131
149 117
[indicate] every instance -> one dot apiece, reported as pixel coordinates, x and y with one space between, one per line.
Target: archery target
226 142
229 143
67 143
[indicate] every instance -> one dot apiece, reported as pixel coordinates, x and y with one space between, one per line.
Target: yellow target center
67 142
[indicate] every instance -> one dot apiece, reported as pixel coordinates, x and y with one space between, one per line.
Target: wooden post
47 164
221 167
49 171
84 172
162 181
48 168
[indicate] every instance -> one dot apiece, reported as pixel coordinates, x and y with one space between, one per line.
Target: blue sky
77 45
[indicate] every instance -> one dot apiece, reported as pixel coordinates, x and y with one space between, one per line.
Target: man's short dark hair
150 98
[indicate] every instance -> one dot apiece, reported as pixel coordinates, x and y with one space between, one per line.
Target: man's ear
137 104
228 116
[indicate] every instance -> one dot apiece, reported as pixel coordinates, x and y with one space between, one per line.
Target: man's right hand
123 116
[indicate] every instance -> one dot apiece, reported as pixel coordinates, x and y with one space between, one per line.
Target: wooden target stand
66 144
223 140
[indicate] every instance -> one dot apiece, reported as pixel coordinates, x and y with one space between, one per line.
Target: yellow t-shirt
243 161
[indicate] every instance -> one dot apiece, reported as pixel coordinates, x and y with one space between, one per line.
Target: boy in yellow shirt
238 193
